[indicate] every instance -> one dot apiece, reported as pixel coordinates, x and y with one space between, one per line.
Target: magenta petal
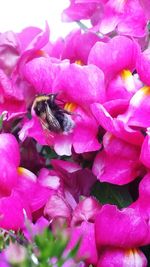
114 169
57 207
145 151
142 204
9 51
3 262
11 212
63 144
116 106
85 139
86 210
111 57
8 174
78 11
36 228
65 166
73 45
143 66
34 194
39 38
41 72
144 187
76 180
87 249
9 145
138 113
122 257
85 132
122 228
115 146
26 35
133 22
33 128
33 49
90 89
49 178
116 126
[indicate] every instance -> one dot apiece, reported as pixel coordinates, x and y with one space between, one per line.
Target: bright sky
17 14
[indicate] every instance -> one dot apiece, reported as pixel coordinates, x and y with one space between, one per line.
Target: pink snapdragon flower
70 182
112 59
117 126
125 228
81 226
77 11
72 46
75 97
20 191
118 163
16 49
137 114
120 84
116 243
123 17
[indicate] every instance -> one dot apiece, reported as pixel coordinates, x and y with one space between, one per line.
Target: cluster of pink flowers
100 83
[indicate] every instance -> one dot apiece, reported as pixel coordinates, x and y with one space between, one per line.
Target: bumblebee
51 115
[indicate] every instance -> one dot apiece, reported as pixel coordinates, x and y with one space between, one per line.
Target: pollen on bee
70 107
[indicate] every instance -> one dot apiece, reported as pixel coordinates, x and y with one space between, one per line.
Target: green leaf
73 252
1 120
112 194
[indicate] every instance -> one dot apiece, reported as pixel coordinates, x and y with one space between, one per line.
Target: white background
18 14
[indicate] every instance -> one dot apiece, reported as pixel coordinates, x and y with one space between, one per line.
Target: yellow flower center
28 174
128 80
125 74
145 90
79 62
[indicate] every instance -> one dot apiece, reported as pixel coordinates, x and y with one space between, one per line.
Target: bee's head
39 107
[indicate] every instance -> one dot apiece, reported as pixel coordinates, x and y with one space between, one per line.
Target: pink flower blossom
117 126
20 191
16 49
74 43
125 17
120 228
77 102
111 57
118 163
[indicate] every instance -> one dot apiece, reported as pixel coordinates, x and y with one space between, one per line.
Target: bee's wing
53 123
49 137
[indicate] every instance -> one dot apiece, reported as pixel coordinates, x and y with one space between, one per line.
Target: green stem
82 26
